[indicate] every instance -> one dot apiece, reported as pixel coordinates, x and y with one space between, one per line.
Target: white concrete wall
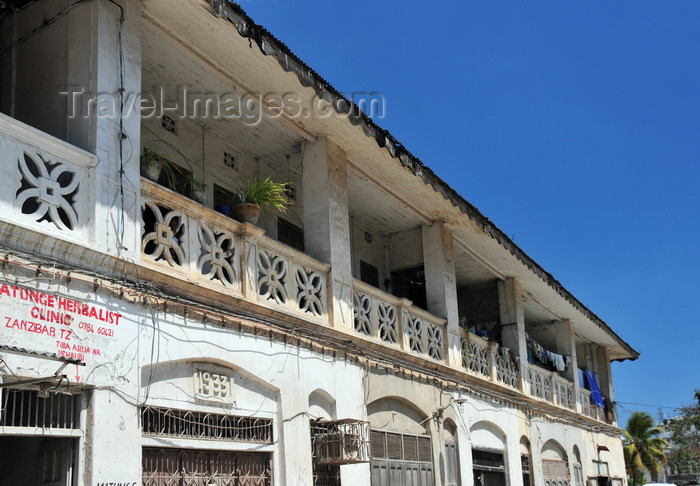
374 252
405 249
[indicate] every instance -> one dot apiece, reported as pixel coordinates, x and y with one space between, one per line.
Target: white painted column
116 203
441 284
295 441
510 301
438 445
350 403
464 450
117 138
113 440
327 221
564 334
604 375
536 443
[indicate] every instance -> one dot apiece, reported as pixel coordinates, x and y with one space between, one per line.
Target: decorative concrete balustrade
396 322
539 383
47 185
563 392
477 355
487 360
184 239
587 406
549 386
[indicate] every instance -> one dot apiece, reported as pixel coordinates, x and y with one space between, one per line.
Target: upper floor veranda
375 248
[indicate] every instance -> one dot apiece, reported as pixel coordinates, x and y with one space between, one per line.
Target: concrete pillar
438 444
441 284
295 441
604 374
536 443
116 134
510 300
464 450
116 421
512 317
350 403
327 221
564 334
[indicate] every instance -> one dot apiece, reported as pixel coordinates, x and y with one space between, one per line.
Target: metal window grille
31 408
177 467
323 474
203 425
344 441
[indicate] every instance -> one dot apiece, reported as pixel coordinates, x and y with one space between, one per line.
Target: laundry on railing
591 383
536 354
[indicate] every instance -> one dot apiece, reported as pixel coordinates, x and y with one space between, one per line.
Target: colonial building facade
382 331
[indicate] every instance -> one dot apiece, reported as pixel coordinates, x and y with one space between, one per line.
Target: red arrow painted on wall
77 376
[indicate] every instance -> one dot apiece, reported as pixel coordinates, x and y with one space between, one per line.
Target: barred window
168 422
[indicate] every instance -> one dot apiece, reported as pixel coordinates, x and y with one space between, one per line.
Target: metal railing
168 422
31 408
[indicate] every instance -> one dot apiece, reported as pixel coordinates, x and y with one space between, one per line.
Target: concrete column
604 374
350 403
116 135
441 283
536 442
512 317
564 334
510 300
115 421
464 451
438 444
327 221
295 440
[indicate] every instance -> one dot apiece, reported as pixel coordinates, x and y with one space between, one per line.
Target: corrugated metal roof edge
271 46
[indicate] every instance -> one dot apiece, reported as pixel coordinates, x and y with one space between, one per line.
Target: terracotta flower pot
246 213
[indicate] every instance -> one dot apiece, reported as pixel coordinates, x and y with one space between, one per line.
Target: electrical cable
348 346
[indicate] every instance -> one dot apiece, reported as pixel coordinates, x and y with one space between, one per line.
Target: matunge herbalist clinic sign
52 323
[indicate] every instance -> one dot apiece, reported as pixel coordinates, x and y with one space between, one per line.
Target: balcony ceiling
201 53
167 65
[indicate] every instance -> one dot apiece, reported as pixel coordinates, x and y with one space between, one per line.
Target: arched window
555 467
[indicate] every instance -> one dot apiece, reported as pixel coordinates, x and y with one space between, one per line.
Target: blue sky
575 127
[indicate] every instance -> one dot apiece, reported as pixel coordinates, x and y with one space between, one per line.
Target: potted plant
259 195
150 165
159 169
196 188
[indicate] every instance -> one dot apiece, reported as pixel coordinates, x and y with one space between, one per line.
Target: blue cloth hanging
595 389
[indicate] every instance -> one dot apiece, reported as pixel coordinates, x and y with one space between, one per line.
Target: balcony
395 322
187 240
48 185
549 386
486 359
184 239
